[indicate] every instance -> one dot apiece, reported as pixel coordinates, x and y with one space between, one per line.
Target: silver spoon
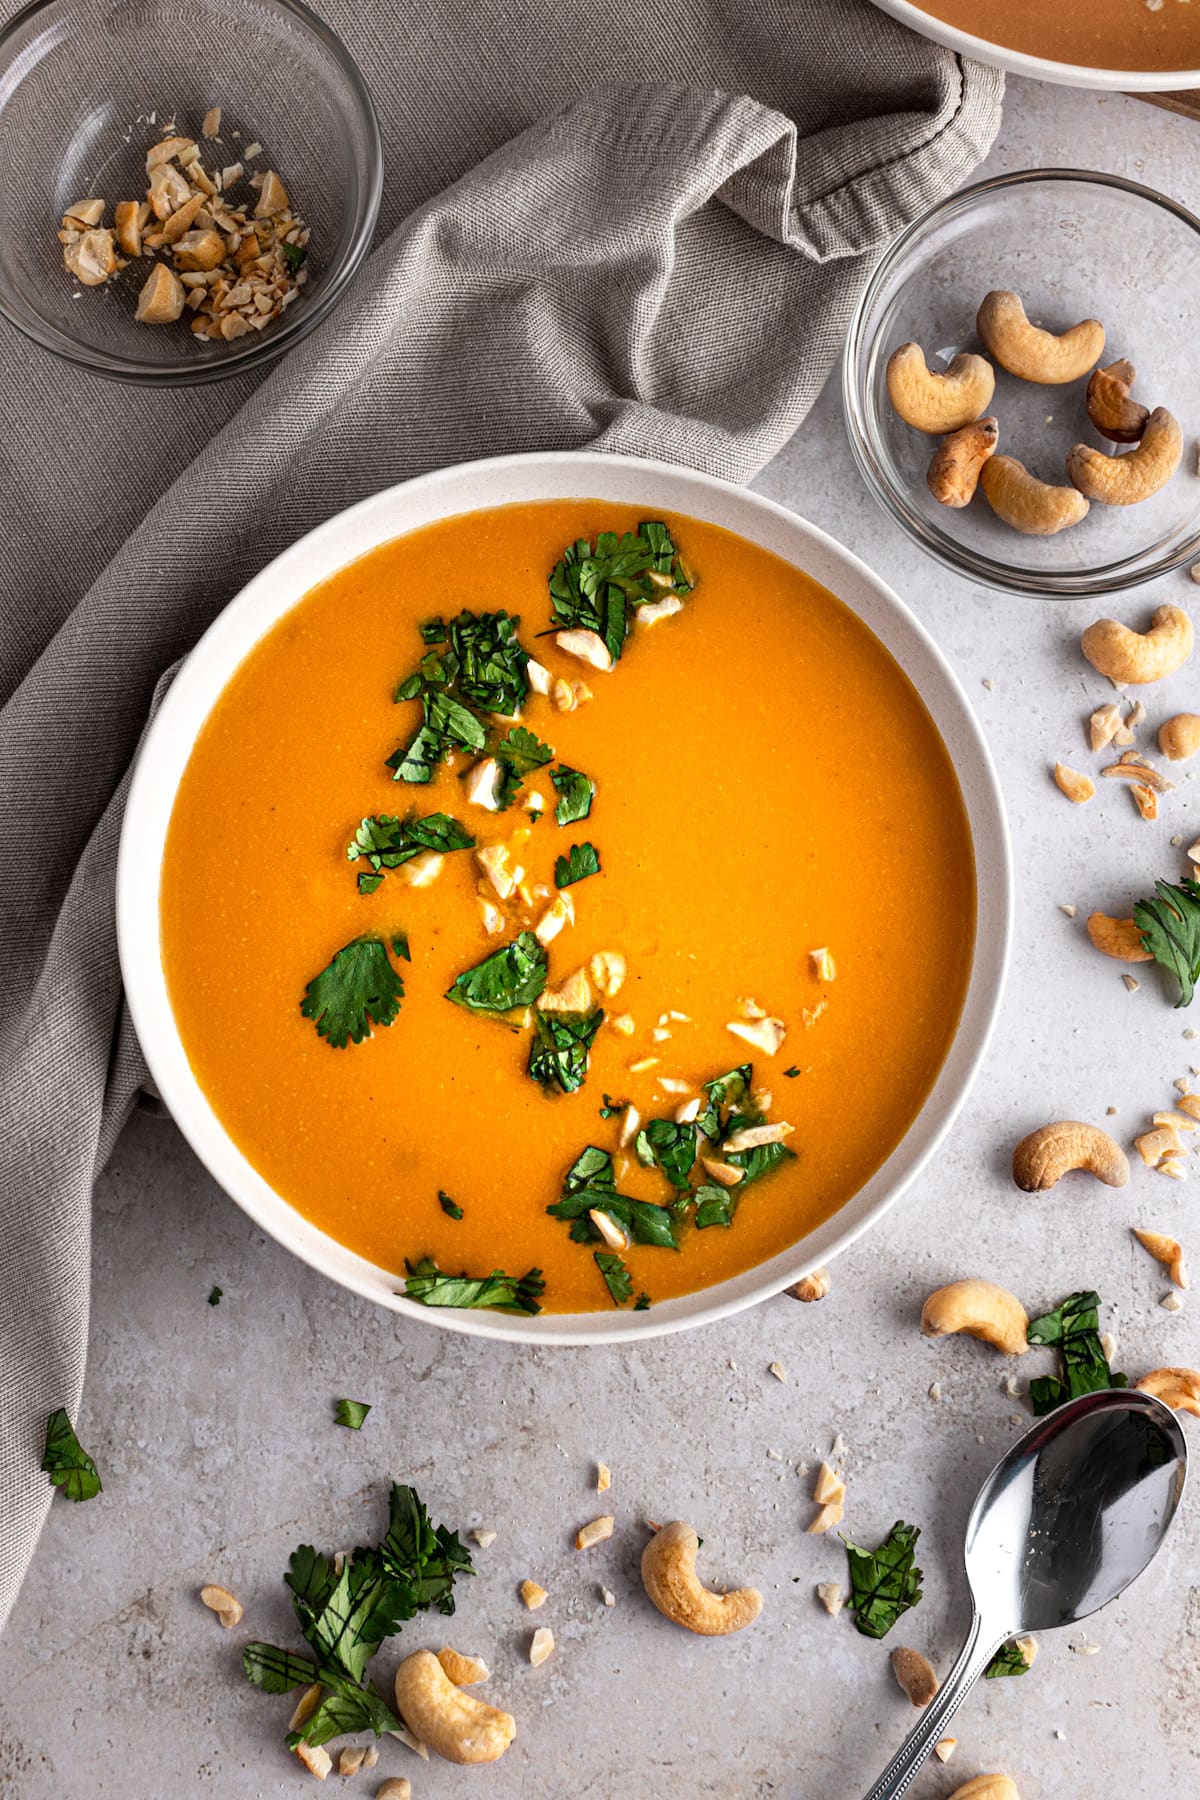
1061 1526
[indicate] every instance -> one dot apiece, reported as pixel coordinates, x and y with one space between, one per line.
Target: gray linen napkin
664 269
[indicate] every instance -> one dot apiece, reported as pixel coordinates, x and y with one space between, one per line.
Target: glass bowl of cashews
1020 387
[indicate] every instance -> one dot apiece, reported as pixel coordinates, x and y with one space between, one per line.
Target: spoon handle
973 1659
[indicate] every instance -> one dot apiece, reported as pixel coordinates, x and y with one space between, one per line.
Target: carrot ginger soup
1100 34
566 908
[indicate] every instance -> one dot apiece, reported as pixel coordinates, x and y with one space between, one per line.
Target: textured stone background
213 1426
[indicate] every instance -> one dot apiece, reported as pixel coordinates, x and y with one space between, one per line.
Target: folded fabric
664 269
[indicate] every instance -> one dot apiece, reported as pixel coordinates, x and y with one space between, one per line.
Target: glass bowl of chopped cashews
188 191
1017 385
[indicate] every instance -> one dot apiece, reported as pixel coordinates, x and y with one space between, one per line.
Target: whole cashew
1109 406
987 1787
1047 1154
1140 656
1124 480
1033 354
1027 504
453 1724
669 1578
1177 1388
1179 738
938 403
1119 938
982 1310
954 472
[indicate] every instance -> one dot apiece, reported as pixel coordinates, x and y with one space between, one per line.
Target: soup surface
767 784
1100 34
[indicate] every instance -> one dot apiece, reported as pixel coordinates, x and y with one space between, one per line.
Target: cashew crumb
1084 1649
935 1390
603 1478
316 1759
777 1370
608 1597
350 1760
484 1538
533 1595
1068 909
541 1645
595 1533
227 1606
1131 982
829 1593
1171 1302
944 1749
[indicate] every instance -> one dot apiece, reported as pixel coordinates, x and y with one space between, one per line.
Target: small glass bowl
85 89
1074 244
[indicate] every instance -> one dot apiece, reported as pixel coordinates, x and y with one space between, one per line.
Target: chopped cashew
829 1516
1152 1146
753 1136
1035 507
560 912
396 1787
272 196
934 402
688 1113
350 1759
496 862
84 212
595 1533
608 972
533 1595
670 1581
1110 408
980 1308
915 1674
812 1287
423 869
538 676
1125 480
452 1723
1047 357
574 995
954 472
1176 1388
1165 1250
1104 725
766 1035
483 784
166 150
127 223
1179 737
1078 788
483 1537
541 1645
588 646
657 610
93 258
1119 938
725 1174
822 964
987 1787
1138 657
630 1121
829 1593
493 918
463 1671
1044 1156
944 1749
603 1478
305 1707
316 1759
625 1023
828 1486
609 1230
227 1606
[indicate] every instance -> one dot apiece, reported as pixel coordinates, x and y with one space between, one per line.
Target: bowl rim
972 565
301 320
469 487
1039 68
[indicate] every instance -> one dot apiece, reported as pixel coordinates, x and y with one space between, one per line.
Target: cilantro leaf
758 1162
791 1073
386 842
580 862
884 1583
715 1205
66 1461
643 1303
594 587
576 793
426 1557
358 989
590 1186
491 663
277 1671
510 977
481 669
344 1708
352 1413
617 1278
670 1147
558 1055
727 1090
450 1207
503 1293
519 753
433 631
1170 928
1074 1329
1010 1659
293 255
612 1108
214 1297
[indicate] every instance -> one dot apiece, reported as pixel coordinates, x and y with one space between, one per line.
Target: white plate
1040 68
655 488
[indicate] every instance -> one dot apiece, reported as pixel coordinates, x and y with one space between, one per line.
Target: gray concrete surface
214 1425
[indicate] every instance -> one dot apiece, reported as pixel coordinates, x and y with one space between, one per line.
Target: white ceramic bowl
656 487
1040 68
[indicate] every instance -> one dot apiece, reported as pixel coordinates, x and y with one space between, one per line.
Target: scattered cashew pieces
1126 480
954 472
1044 1156
541 1646
811 1287
938 403
463 1671
1027 504
595 1533
987 1787
316 1759
1176 1388
980 1308
396 1787
533 1595
1078 788
1165 1250
1179 737
915 1674
1047 357
1138 657
1118 938
451 1723
227 1606
669 1577
1110 408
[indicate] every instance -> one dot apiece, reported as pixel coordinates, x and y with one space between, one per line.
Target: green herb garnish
575 794
214 1296
1170 928
617 1278
357 990
511 977
590 1186
643 1303
293 255
670 1147
715 1205
502 1293
1010 1659
351 1413
476 668
387 843
791 1074
884 1583
580 862
519 753
613 1108
558 1055
1074 1329
66 1461
727 1090
595 587
450 1207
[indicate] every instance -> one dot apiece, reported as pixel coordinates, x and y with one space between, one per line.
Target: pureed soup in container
1099 34
636 972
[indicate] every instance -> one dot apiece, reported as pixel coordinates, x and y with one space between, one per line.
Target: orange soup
1100 34
768 879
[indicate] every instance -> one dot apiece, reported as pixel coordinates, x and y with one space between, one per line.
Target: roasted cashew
1026 350
915 1674
669 1578
1078 788
1047 1154
938 403
982 1310
1119 938
1176 1388
1109 406
451 1723
987 1787
1124 480
954 472
463 1671
1140 656
1027 504
1179 738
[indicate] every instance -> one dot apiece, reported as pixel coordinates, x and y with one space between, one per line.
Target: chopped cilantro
480 670
66 1461
1074 1328
791 1073
450 1207
715 1205
617 1278
503 1293
519 754
558 1055
723 1090
510 977
433 631
357 990
884 1583
643 1303
352 1413
670 1147
580 862
575 794
612 1108
590 1186
1170 928
293 255
386 842
214 1297
595 587
1010 1659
